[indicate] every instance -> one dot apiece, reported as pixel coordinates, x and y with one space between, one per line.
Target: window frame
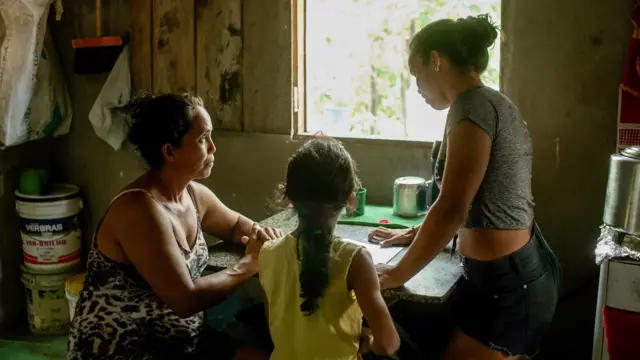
298 89
299 74
299 67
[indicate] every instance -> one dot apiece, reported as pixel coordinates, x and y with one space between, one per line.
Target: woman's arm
364 281
222 222
146 236
468 152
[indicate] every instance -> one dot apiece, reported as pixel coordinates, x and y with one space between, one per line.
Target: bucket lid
410 180
75 283
632 151
58 191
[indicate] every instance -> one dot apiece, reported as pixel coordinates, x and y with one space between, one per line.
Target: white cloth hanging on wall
108 122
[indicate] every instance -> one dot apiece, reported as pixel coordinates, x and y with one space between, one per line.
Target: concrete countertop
433 284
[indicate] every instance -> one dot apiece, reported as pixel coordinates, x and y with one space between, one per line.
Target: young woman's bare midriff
491 244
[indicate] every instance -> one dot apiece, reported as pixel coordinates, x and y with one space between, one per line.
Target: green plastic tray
373 214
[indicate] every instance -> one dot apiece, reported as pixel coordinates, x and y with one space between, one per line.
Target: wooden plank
174 46
140 44
219 60
267 66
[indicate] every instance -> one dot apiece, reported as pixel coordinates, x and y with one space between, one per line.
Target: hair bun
137 109
476 31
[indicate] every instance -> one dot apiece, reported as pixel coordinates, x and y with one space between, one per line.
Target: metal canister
622 201
410 196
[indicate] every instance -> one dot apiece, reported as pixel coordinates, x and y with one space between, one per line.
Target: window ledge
370 140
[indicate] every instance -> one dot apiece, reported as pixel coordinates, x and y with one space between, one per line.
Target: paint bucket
72 288
47 308
50 228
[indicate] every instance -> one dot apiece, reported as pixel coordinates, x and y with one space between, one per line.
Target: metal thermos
410 196
622 201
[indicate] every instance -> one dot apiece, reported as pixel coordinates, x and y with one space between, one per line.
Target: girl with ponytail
318 287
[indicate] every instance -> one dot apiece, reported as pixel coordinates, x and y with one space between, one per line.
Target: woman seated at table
317 285
144 292
507 297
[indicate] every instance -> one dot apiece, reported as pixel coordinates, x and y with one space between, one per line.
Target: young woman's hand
388 277
393 237
366 339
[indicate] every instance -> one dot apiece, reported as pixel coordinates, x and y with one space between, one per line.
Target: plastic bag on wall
108 121
49 112
24 70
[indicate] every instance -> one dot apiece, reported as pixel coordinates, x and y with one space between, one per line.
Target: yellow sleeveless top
333 330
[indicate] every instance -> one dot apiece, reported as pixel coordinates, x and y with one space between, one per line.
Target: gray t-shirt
504 200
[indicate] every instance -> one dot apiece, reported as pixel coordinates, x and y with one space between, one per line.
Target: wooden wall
198 46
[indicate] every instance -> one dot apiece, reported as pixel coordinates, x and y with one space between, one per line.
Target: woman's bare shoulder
201 191
134 200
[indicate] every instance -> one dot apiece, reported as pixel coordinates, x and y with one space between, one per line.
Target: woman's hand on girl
258 236
253 242
272 233
262 234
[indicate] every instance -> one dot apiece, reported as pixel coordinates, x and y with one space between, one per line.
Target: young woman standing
506 300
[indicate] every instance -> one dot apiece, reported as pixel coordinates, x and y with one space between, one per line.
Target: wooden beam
174 46
140 44
267 66
219 60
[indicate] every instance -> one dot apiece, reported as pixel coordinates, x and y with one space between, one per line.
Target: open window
350 72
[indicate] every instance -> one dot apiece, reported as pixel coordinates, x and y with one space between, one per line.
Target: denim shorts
508 304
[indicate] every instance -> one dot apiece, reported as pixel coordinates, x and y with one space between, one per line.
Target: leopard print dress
118 315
